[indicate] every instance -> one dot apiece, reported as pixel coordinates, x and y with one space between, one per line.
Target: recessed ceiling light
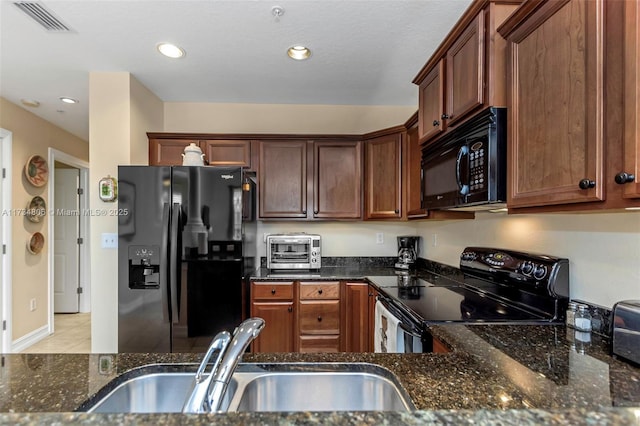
30 103
299 53
67 100
170 50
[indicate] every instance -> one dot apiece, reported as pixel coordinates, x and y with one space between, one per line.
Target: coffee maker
407 252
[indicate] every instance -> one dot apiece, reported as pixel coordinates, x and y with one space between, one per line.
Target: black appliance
407 252
498 286
184 244
466 168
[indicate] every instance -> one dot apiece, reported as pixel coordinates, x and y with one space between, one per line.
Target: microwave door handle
464 188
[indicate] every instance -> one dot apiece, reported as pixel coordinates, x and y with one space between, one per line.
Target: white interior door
66 250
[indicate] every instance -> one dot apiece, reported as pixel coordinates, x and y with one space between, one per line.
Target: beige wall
31 135
121 112
603 248
263 118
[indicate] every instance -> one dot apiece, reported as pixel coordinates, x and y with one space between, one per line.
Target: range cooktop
499 286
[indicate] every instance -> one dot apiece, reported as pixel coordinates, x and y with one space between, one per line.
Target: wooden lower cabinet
439 347
356 329
319 316
274 302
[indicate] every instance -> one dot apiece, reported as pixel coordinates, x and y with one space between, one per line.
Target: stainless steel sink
262 387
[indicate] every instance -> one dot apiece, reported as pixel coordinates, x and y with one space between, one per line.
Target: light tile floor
72 334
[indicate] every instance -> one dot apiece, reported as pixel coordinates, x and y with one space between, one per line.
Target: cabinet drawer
272 290
319 344
320 317
320 290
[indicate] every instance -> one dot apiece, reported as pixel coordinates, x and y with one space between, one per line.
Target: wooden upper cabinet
165 149
227 152
431 103
413 170
383 183
631 162
467 72
282 182
556 104
337 180
168 152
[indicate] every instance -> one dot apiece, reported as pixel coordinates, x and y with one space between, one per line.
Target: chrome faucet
208 392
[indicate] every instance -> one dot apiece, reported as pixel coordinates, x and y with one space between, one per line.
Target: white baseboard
29 339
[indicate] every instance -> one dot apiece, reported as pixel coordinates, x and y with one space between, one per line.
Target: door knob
623 177
587 183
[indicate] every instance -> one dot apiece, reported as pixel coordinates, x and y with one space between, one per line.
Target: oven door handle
464 188
406 323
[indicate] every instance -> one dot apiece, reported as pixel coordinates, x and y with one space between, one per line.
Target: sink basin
260 387
318 391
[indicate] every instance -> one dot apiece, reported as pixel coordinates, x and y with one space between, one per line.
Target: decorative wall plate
36 209
37 171
35 243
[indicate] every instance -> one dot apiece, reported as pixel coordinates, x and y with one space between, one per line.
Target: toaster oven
298 251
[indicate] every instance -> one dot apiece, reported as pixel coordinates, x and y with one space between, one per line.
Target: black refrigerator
186 237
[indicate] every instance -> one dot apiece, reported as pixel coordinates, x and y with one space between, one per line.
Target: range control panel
547 273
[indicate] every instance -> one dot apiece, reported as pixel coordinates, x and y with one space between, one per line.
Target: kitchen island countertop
509 374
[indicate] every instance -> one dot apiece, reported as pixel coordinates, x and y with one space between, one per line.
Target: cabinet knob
290 309
319 318
623 177
273 291
445 116
320 291
587 183
315 212
304 212
436 123
397 211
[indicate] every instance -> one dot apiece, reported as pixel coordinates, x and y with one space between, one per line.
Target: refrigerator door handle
173 261
165 268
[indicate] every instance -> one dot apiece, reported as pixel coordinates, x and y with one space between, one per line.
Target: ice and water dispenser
144 267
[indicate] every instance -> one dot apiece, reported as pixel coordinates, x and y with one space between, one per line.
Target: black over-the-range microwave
466 169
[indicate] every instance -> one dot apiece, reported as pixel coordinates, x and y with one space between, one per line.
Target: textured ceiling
365 52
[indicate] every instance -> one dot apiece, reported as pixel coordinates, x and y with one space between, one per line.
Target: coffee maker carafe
407 252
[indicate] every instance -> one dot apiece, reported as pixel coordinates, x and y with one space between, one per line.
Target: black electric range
499 286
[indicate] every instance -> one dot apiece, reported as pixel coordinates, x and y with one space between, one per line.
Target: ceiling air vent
37 11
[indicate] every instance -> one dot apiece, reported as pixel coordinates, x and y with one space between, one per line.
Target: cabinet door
282 185
383 179
227 152
277 335
631 160
556 105
337 180
431 103
465 72
167 152
413 168
356 319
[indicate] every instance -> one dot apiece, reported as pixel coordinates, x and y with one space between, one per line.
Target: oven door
395 330
288 253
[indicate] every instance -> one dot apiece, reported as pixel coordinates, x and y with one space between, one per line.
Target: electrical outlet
379 238
109 240
32 305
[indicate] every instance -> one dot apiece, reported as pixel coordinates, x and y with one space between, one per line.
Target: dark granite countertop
507 374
